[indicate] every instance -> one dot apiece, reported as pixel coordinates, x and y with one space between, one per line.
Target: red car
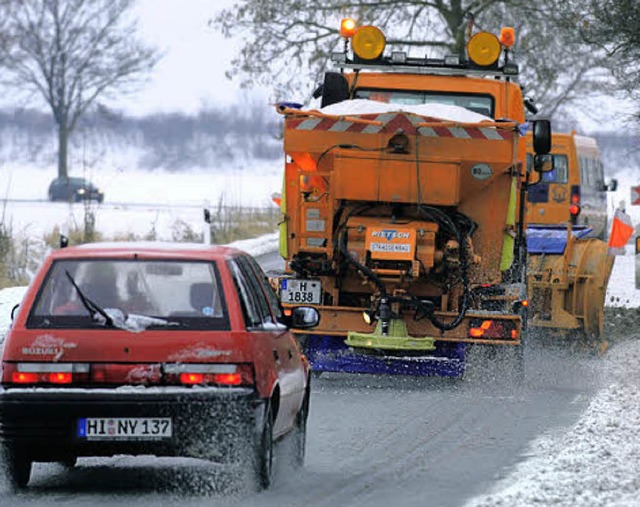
169 350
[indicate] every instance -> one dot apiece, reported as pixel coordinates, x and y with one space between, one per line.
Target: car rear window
184 294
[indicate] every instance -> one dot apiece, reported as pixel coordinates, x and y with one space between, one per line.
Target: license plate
125 428
300 291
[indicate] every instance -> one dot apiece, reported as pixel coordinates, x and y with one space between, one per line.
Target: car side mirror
304 317
543 163
334 89
612 186
541 136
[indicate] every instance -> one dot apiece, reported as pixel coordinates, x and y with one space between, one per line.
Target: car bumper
208 423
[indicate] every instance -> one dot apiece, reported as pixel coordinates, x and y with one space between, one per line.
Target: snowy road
373 441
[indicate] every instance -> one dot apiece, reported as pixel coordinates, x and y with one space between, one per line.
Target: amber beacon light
347 27
368 42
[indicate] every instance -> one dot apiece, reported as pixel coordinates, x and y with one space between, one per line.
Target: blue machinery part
552 239
331 354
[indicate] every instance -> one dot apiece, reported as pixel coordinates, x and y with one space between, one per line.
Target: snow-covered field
161 198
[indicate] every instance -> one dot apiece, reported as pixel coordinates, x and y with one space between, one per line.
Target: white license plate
300 291
125 428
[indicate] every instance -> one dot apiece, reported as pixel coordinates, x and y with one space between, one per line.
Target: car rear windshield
481 104
173 293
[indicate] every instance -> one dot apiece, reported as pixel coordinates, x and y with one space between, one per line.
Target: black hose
443 219
361 267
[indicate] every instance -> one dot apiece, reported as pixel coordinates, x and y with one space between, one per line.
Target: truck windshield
481 104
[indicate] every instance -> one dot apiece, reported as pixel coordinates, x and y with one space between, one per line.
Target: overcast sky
191 73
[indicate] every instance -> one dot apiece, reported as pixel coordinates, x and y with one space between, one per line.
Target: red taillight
60 378
574 209
493 329
192 378
45 373
21 377
221 374
228 379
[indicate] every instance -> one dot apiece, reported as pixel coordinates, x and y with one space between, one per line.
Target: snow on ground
162 199
597 461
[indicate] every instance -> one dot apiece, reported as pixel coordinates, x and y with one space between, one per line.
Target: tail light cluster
490 329
574 206
106 374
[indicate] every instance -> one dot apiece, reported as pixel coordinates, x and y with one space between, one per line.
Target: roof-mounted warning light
368 42
347 27
507 36
484 49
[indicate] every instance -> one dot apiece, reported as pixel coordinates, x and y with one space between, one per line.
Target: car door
260 324
297 376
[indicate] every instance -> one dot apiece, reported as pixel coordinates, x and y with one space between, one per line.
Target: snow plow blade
567 280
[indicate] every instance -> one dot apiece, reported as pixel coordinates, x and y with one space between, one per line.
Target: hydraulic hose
449 224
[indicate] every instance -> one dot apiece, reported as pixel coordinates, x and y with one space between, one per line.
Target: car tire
299 435
16 468
263 460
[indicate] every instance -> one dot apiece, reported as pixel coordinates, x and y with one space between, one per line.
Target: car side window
272 299
247 301
256 290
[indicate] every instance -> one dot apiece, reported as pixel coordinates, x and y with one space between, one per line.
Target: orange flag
621 231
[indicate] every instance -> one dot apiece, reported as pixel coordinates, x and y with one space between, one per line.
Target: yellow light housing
368 42
507 36
484 49
347 27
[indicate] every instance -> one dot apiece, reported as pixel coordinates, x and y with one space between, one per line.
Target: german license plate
125 428
300 291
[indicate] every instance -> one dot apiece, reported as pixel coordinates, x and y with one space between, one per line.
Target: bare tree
71 52
288 42
611 26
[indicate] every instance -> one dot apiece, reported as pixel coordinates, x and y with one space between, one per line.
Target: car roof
147 250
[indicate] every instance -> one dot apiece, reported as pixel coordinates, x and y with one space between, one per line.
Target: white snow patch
440 111
596 462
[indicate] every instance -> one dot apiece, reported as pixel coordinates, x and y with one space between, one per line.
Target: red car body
227 379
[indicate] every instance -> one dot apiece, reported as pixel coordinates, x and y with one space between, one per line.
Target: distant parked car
74 190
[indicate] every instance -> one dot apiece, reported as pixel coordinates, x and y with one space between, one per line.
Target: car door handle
276 356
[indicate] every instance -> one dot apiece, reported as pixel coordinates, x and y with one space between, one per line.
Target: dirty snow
597 461
441 111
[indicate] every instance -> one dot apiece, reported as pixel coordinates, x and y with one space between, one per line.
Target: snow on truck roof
433 110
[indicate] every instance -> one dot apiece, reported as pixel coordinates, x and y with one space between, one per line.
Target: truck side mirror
613 185
543 163
334 89
541 136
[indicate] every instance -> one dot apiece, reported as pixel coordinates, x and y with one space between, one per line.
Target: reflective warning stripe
410 124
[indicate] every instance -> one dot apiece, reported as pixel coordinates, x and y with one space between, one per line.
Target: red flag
621 231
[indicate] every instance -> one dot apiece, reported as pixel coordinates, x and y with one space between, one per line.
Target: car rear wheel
300 434
263 462
16 468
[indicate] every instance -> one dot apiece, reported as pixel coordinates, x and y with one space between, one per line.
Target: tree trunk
63 141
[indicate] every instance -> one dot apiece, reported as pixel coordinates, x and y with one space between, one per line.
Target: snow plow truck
568 266
403 207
